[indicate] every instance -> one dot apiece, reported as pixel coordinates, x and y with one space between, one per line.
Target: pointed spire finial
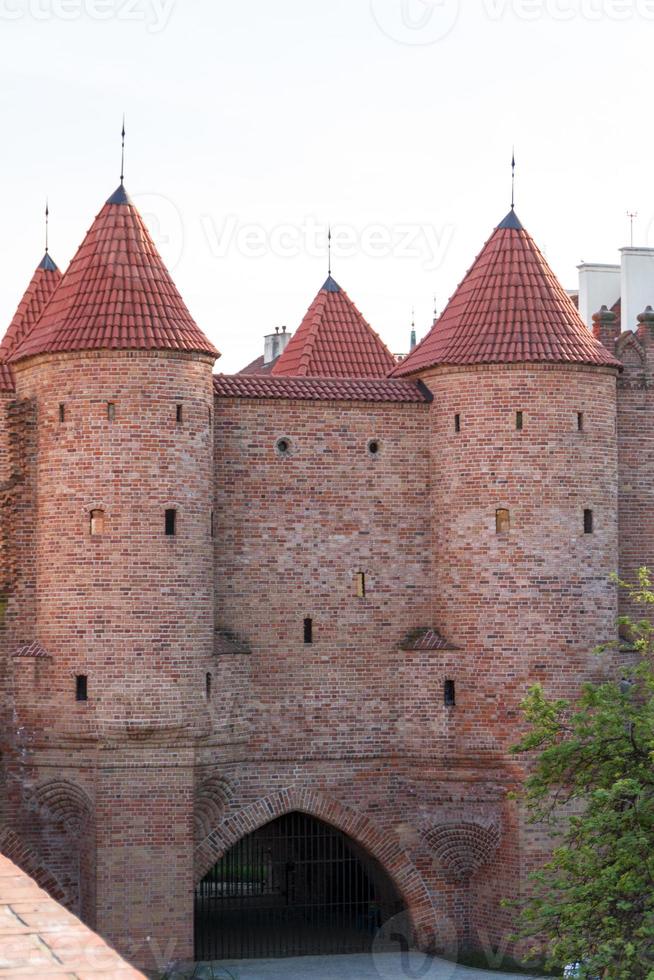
122 154
329 250
413 328
47 225
513 180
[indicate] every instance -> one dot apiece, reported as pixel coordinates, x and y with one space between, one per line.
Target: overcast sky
252 124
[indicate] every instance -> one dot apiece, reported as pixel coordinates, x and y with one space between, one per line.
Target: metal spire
413 328
513 180
47 224
632 215
122 154
329 251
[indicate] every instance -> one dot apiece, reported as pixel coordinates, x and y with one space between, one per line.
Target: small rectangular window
81 688
588 522
580 421
519 421
97 523
361 585
449 694
457 423
502 521
308 630
211 525
178 413
111 411
207 685
171 522
62 412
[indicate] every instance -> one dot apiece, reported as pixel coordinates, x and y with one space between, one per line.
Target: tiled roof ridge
320 389
318 306
508 308
116 294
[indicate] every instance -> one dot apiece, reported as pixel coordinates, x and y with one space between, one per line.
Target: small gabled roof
42 285
510 308
334 341
116 294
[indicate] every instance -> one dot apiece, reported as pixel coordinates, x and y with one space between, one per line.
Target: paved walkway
380 966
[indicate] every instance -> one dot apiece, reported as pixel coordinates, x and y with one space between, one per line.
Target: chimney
599 285
637 284
606 328
274 344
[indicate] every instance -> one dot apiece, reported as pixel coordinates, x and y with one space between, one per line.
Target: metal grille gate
294 887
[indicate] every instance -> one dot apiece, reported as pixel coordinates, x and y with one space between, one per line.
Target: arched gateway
295 886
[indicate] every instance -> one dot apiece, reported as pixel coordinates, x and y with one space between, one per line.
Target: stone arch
28 861
382 846
212 796
462 847
65 802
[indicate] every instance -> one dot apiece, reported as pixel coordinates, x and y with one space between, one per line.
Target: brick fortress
322 589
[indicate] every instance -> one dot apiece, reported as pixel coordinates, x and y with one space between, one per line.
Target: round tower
120 378
525 507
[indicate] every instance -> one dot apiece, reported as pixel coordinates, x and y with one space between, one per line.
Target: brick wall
636 456
530 604
131 609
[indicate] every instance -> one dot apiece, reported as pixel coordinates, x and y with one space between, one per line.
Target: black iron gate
294 887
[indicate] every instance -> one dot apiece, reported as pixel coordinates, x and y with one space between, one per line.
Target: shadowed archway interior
296 886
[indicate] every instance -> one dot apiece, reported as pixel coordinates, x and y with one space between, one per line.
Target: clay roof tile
509 308
334 341
116 271
42 285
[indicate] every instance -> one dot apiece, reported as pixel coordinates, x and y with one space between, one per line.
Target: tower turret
524 489
120 377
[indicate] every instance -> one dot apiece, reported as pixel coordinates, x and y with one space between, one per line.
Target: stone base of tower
144 857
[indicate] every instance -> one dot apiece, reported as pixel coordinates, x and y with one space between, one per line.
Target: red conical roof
42 285
116 294
510 307
334 341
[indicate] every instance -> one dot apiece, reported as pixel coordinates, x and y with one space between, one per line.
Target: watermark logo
419 242
154 15
394 953
415 22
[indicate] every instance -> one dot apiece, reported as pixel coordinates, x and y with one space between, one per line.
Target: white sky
254 123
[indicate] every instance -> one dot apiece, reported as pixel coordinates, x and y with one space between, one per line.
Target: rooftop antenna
513 180
632 215
329 251
47 222
122 154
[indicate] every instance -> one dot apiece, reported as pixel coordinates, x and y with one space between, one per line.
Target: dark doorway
295 887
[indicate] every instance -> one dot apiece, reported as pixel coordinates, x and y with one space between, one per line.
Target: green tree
591 780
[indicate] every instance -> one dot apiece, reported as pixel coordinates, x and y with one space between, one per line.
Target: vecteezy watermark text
154 14
422 22
566 10
422 242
